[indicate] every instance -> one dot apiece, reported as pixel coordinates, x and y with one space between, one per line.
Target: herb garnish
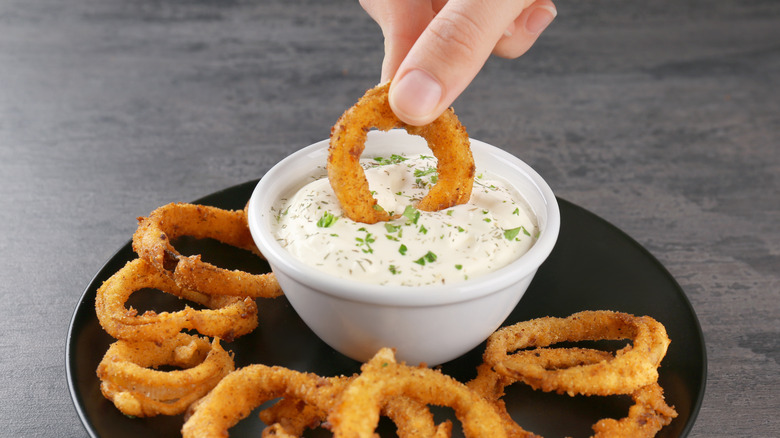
366 241
429 257
327 220
511 233
412 214
394 159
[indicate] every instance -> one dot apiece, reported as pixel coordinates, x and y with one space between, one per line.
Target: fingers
451 50
523 32
402 22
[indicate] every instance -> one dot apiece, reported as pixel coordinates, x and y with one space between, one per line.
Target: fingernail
416 94
539 19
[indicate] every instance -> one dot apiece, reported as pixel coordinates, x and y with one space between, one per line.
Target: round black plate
594 266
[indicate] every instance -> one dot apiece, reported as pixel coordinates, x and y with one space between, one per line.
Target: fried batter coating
446 138
152 242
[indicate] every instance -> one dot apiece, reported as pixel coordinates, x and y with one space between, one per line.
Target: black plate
593 266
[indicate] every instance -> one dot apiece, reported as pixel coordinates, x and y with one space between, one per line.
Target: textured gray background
662 117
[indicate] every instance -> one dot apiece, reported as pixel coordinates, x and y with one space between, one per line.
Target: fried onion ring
227 317
382 378
567 370
245 389
129 380
306 400
446 138
152 242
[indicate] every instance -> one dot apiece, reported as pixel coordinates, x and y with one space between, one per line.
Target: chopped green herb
392 228
394 270
327 220
394 159
423 229
366 241
449 212
412 214
511 233
402 249
429 257
516 212
458 267
422 172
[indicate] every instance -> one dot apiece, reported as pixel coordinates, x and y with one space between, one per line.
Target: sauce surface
418 248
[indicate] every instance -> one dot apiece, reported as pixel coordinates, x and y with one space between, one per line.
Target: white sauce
493 229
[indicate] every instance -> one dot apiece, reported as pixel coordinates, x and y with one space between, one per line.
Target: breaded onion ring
245 389
307 398
357 413
152 242
565 370
129 380
227 318
446 138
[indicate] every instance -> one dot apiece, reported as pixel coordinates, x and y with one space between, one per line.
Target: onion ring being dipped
152 242
569 371
446 138
227 317
130 382
382 378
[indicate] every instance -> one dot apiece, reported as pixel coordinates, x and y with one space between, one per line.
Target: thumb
448 55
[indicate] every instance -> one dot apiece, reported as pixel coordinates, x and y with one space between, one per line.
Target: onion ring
306 400
357 413
446 138
128 380
227 318
629 369
152 242
243 390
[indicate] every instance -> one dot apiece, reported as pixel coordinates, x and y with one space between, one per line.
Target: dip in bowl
433 320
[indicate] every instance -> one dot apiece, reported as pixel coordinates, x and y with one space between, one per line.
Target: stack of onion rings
128 373
129 380
446 137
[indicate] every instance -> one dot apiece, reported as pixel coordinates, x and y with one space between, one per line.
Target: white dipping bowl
430 324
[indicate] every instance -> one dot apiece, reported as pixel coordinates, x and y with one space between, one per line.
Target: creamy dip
418 248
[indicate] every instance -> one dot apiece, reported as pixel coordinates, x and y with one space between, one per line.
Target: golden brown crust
446 137
226 318
152 242
129 377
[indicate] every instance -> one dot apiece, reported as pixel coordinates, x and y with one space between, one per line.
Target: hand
435 48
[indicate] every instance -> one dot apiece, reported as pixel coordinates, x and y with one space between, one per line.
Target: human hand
435 48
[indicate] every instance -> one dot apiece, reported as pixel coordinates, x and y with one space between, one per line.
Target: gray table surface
661 117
